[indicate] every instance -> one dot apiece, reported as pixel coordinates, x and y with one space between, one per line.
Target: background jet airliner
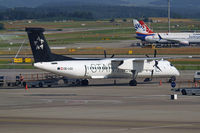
91 68
145 34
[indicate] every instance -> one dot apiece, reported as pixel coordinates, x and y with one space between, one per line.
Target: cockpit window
171 64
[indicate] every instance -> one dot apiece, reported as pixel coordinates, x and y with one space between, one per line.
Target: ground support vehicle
190 91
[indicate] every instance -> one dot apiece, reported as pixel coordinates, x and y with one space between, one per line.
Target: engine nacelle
185 43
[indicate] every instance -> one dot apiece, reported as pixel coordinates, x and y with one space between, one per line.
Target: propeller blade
152 74
155 53
156 65
158 68
112 56
105 55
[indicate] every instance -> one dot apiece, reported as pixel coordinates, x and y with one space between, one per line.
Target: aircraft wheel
78 82
84 82
133 82
172 79
147 79
184 92
40 84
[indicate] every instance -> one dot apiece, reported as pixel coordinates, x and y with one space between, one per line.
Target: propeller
105 54
156 63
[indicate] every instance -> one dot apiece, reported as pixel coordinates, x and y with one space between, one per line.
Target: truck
9 81
190 91
32 80
40 80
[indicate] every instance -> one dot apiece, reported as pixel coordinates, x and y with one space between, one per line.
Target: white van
197 76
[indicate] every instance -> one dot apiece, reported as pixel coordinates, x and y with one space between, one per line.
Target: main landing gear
133 82
84 82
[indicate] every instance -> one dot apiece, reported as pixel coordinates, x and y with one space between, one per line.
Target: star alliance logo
39 43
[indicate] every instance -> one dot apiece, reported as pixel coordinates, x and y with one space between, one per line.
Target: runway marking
128 124
167 126
72 102
50 95
147 96
144 128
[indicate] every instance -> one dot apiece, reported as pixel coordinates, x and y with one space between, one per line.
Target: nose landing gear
172 79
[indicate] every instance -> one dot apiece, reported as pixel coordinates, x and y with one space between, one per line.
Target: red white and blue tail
148 30
142 30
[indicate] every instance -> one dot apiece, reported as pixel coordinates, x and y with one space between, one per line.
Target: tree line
65 12
32 13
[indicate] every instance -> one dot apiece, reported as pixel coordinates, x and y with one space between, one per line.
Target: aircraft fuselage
97 69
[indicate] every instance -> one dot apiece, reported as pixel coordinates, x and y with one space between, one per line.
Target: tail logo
139 26
39 44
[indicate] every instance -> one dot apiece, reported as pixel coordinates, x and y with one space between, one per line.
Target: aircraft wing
120 60
139 64
181 41
163 58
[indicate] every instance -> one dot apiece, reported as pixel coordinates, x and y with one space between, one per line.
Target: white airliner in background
92 68
144 33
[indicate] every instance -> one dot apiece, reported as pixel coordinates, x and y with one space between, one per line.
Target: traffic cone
160 83
26 87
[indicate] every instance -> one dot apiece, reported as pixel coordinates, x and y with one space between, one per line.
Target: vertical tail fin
40 49
144 25
141 27
138 26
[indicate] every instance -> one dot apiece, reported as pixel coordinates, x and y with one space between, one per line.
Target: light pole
169 23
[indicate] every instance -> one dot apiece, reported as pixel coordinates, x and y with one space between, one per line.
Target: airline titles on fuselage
195 36
96 68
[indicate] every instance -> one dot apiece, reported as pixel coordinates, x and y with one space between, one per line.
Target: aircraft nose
177 73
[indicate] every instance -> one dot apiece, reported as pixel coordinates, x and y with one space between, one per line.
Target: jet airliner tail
40 49
141 27
142 30
148 30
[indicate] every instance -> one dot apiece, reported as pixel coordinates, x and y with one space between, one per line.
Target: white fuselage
182 38
98 69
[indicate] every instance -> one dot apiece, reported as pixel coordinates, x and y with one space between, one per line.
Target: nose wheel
133 82
172 79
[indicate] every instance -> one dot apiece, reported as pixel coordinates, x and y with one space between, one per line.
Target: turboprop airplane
92 68
144 33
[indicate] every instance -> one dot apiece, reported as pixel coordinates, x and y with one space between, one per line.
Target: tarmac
100 107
